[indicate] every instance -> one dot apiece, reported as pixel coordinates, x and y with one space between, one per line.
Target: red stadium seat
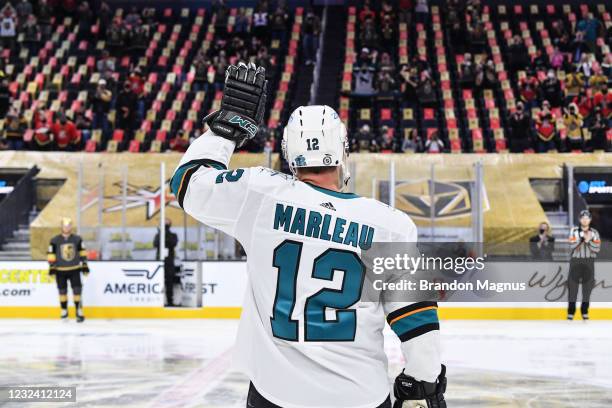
118 135
90 146
134 146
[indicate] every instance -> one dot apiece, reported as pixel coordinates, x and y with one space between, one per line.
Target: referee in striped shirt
585 245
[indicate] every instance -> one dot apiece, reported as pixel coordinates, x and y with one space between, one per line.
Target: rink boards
136 290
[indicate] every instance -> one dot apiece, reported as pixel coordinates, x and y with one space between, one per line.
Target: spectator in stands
86 18
7 30
220 62
106 66
43 138
241 22
363 139
606 65
411 142
364 81
83 124
368 34
385 83
263 59
517 54
558 30
139 38
260 23
421 10
579 47
388 35
584 103
486 77
45 12
132 18
540 61
410 82
557 58
116 35
367 57
598 80
5 95
24 9
542 244
426 90
405 11
546 129
477 37
101 103
590 28
31 35
200 68
127 102
105 16
599 128
574 82
573 124
434 144
14 128
137 85
585 66
65 134
550 90
528 89
366 13
279 22
603 99
180 142
467 71
386 63
520 130
386 142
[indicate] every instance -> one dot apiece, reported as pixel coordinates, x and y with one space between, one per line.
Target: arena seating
62 75
467 119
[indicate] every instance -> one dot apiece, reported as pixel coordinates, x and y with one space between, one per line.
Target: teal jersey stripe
337 194
191 167
175 182
414 321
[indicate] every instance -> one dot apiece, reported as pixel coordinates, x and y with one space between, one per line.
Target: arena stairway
333 43
17 248
559 223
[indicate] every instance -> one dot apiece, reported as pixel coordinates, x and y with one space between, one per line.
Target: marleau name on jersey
313 224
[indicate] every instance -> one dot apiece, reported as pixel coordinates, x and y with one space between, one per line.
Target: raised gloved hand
243 104
411 393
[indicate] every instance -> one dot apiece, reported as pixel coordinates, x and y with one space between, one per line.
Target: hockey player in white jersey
305 338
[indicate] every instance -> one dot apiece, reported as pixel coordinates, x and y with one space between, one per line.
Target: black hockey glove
85 269
52 270
243 104
411 393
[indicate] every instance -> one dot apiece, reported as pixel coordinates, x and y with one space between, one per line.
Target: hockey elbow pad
411 393
243 104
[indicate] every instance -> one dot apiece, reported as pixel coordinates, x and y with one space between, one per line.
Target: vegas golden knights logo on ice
68 252
450 199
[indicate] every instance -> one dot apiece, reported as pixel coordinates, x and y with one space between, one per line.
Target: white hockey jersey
305 339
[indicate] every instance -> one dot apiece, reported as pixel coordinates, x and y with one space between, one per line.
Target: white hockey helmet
316 137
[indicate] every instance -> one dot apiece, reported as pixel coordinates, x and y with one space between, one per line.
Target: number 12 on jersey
316 327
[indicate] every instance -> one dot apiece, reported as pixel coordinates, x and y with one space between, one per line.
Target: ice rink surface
188 363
